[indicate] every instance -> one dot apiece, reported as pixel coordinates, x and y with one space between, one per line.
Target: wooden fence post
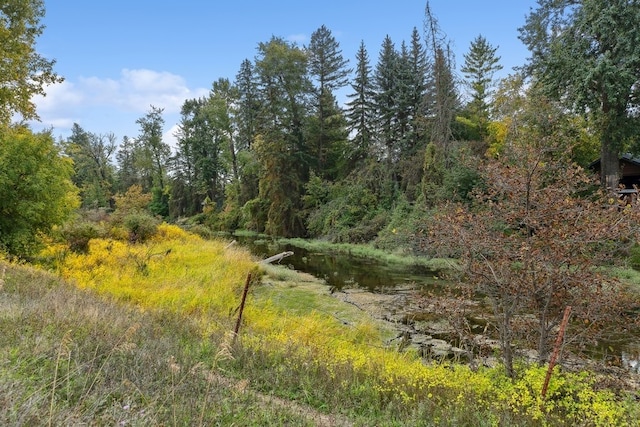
244 298
556 350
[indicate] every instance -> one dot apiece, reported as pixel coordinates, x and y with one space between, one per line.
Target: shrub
77 234
141 226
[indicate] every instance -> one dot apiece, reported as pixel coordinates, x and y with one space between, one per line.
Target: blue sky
122 56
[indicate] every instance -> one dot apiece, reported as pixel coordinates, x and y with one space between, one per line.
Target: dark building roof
629 170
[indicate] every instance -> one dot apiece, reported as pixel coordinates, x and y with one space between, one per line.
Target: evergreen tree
248 105
284 90
415 133
587 54
326 65
221 109
386 99
480 64
127 173
246 118
189 187
444 99
329 71
441 101
404 91
360 112
419 81
206 150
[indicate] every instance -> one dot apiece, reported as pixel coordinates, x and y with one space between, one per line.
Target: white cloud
169 137
104 104
137 90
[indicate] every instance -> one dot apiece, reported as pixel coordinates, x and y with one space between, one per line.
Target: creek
391 287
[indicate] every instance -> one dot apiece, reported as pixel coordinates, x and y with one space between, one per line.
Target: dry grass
72 358
143 340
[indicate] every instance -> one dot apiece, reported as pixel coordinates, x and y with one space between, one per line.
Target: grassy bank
143 339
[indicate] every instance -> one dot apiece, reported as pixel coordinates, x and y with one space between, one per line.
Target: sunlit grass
71 358
296 342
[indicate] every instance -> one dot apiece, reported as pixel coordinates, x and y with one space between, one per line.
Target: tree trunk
507 352
609 166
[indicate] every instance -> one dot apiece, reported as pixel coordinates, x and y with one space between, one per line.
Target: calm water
341 270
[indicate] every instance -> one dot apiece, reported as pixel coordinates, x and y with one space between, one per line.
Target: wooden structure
629 171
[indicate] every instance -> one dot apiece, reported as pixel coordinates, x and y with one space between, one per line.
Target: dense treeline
302 143
306 142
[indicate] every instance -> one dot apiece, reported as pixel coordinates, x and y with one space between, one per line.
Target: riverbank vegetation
140 333
132 323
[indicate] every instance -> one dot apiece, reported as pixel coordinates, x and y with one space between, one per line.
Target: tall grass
70 357
146 343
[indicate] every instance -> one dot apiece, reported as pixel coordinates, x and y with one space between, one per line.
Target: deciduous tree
535 241
94 171
36 191
23 72
587 54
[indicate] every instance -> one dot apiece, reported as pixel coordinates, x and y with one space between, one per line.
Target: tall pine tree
327 134
361 109
480 65
284 89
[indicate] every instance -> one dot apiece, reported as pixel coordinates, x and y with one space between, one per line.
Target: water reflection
341 270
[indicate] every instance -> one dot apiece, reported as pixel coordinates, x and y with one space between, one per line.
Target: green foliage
36 191
132 201
480 64
151 152
255 213
405 222
461 179
351 215
78 233
316 192
159 202
360 111
455 183
634 257
230 218
280 147
23 72
326 131
94 172
587 55
140 226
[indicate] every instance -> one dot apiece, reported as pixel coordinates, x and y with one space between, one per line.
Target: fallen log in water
277 258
